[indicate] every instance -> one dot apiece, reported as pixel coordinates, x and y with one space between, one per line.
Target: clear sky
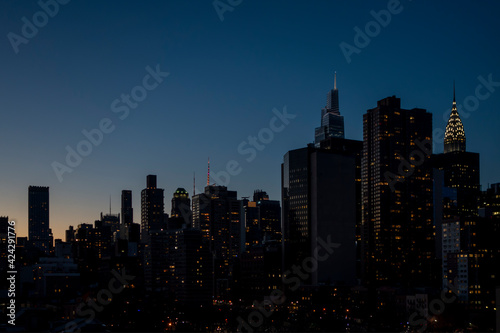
225 78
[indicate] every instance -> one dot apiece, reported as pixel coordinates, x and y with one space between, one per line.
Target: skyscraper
470 261
153 228
461 168
217 213
397 217
454 137
319 195
332 123
39 231
127 210
152 208
180 213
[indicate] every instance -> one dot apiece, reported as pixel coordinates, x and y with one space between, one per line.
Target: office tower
454 137
38 216
217 214
127 210
320 196
332 123
70 234
152 208
461 168
181 210
397 227
153 229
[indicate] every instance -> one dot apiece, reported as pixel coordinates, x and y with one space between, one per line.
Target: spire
332 98
454 136
208 174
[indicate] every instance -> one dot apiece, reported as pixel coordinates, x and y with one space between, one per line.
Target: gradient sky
225 79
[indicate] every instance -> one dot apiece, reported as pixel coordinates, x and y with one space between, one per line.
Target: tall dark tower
127 210
38 216
320 196
461 168
217 214
397 215
332 123
152 208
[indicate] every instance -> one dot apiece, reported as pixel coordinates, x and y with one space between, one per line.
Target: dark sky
225 78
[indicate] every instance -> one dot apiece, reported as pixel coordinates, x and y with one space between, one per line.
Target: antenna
110 204
194 183
208 174
335 81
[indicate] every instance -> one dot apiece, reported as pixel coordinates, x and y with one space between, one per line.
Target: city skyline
189 120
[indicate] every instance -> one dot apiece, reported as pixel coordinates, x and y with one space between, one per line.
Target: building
56 278
104 231
190 267
127 210
320 196
217 214
39 231
181 210
461 168
397 212
332 123
261 219
152 208
490 201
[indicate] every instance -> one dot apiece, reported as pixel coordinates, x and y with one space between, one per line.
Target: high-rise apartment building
39 231
397 214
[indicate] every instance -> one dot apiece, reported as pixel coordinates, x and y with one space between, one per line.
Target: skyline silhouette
225 78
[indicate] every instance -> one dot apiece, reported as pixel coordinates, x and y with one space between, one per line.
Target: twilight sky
225 78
